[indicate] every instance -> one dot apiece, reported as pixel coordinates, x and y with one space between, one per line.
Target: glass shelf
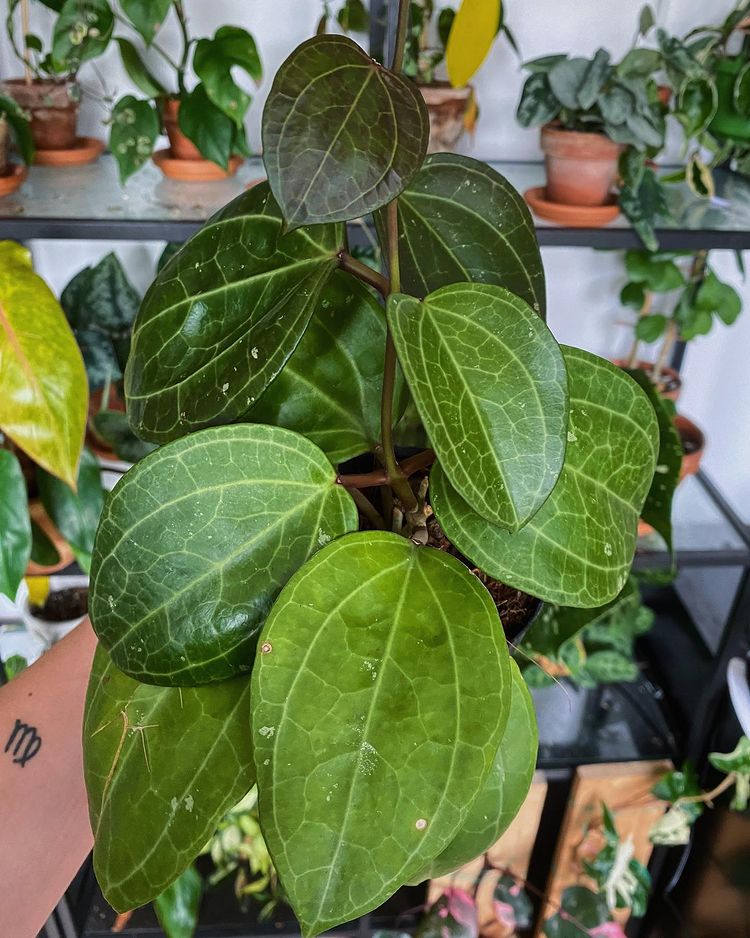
89 202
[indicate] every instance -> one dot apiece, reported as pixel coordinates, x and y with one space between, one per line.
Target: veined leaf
342 136
43 390
223 316
577 549
489 382
406 731
162 765
213 61
134 129
197 540
15 540
330 388
460 221
505 789
81 32
146 15
472 34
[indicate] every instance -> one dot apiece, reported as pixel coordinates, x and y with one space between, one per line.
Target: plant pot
40 516
181 147
670 383
693 445
728 122
447 107
581 167
50 627
665 94
4 146
53 106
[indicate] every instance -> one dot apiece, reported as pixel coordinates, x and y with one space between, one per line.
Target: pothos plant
266 615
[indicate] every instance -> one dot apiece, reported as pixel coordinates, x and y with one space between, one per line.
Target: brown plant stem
367 508
364 273
368 480
664 353
27 76
706 797
182 67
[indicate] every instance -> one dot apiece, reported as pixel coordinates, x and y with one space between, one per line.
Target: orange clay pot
672 382
447 107
181 147
581 167
53 106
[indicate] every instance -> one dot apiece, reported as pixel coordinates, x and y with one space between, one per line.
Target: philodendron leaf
146 15
577 549
223 316
342 136
162 766
133 131
382 692
43 390
197 540
488 380
178 906
504 790
330 388
15 541
462 221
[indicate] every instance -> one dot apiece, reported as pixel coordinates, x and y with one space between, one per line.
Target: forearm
44 826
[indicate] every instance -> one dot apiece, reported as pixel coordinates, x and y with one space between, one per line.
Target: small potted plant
442 54
14 129
48 91
352 17
205 125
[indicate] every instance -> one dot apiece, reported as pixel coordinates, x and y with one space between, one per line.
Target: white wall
583 285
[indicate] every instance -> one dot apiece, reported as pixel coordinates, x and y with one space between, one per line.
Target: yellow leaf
38 589
471 37
43 386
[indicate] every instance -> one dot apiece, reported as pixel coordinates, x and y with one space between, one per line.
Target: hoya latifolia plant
266 615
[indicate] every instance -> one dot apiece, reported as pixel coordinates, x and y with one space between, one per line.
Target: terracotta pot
53 107
182 148
581 167
447 107
694 444
40 516
671 380
665 94
4 144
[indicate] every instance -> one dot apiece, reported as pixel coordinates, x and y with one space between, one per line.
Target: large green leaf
15 526
462 221
197 540
213 61
178 906
378 706
146 15
137 70
577 549
207 126
43 391
82 32
330 388
133 131
504 790
223 316
75 514
342 136
489 383
162 765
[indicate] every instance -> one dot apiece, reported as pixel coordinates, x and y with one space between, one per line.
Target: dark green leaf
459 221
650 328
644 206
633 295
566 79
632 166
741 91
718 298
579 905
15 540
177 907
353 17
445 24
146 15
20 127
137 71
658 272
646 19
489 383
210 527
594 77
414 641
223 316
135 127
538 104
342 136
699 177
113 428
207 126
162 766
82 32
75 514
577 549
43 551
213 61
170 249
696 105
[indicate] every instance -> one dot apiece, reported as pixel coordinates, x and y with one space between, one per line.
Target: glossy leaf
342 136
406 732
460 221
581 909
650 328
330 388
43 391
113 428
15 540
20 126
162 766
213 61
177 907
741 91
134 129
470 39
504 790
82 32
207 126
137 71
489 383
43 551
696 106
223 316
353 17
146 15
538 104
577 549
197 540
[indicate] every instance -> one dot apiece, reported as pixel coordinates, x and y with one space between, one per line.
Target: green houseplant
267 613
353 17
205 125
14 128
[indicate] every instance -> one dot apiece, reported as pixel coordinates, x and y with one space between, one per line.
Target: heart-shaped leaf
342 136
460 221
81 32
136 70
133 131
213 61
330 388
504 790
15 541
223 316
383 692
43 390
207 126
489 383
577 549
162 765
146 16
197 540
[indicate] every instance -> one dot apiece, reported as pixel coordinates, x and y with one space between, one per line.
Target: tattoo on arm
23 743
